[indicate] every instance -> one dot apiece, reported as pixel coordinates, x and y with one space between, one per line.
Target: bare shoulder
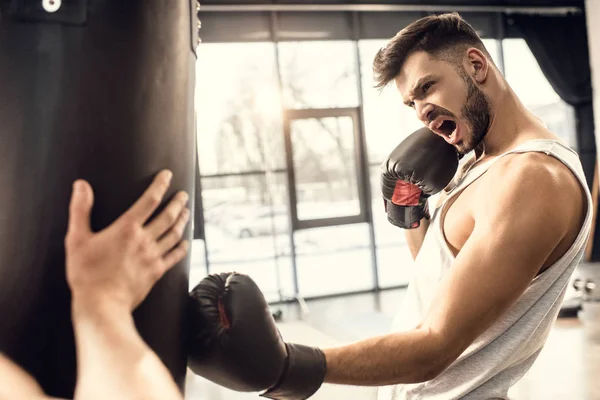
535 171
533 182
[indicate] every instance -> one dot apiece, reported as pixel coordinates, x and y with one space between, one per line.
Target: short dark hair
442 36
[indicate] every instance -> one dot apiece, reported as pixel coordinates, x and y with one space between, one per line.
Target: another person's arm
113 360
17 384
110 273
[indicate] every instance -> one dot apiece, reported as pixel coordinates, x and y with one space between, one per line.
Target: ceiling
540 3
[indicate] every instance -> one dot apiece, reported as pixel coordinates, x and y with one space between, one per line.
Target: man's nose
423 111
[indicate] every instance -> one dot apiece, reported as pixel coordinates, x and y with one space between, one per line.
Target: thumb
82 199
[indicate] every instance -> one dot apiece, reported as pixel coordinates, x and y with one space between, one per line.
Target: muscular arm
517 225
113 360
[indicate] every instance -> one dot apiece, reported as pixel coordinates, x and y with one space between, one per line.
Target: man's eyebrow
417 85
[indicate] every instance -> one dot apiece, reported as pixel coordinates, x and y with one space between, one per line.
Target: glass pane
525 77
238 108
325 167
394 261
247 229
333 260
318 74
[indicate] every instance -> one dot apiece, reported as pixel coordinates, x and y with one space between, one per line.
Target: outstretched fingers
175 255
149 201
169 217
175 233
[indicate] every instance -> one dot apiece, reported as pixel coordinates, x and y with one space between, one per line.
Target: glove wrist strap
303 376
407 217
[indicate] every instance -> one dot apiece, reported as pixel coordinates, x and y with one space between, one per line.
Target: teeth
452 135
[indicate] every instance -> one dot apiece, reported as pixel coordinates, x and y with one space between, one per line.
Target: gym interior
289 138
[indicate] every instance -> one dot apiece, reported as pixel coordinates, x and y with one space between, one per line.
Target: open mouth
444 127
447 127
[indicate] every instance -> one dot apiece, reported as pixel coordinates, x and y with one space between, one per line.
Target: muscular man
109 273
492 262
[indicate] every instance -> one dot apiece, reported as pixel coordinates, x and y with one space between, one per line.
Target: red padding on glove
223 315
406 194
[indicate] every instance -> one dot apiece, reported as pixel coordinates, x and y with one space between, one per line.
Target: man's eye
427 86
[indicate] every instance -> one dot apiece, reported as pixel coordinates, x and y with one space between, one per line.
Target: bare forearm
17 384
113 360
404 357
415 237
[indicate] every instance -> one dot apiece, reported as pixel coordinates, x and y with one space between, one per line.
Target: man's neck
509 121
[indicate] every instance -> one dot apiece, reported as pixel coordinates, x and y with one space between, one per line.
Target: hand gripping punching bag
101 90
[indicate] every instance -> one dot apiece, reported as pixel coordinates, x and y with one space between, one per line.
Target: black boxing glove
234 342
420 166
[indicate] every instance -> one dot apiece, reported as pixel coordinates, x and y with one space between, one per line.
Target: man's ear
478 64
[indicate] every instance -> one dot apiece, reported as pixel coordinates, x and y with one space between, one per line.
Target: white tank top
505 352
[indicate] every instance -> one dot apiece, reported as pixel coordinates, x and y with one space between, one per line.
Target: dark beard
477 111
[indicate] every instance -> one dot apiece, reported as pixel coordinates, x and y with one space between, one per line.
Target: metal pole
362 152
289 180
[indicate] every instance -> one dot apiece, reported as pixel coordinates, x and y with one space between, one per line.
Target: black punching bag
101 90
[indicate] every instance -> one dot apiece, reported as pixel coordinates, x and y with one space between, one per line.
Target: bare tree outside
256 137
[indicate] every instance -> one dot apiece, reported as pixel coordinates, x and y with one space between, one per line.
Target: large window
318 74
323 75
241 155
246 224
243 168
324 163
525 77
238 108
334 259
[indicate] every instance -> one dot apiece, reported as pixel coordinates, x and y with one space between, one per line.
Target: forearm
113 360
415 237
404 357
17 384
